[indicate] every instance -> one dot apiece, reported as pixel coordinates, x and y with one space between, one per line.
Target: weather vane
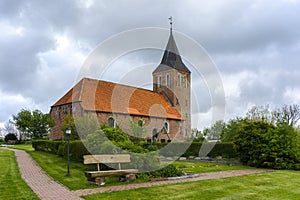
171 22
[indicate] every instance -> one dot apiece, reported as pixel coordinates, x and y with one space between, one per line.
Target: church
165 111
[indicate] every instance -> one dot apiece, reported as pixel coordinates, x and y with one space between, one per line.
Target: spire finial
171 22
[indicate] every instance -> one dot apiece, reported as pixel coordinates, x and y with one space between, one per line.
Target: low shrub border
77 149
224 149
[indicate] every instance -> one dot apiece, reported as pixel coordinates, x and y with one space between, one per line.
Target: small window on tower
178 79
168 80
184 82
159 80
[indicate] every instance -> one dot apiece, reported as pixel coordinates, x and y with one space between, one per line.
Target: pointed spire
171 22
171 57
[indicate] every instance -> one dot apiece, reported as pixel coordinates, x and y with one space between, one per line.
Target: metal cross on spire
171 22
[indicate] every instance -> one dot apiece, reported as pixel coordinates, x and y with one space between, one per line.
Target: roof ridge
120 84
96 95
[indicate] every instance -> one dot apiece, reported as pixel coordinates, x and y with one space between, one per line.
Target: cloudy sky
254 44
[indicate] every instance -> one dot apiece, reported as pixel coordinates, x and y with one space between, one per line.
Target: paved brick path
43 185
46 188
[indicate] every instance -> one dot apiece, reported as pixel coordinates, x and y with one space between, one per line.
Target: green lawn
272 185
56 167
12 185
200 167
25 147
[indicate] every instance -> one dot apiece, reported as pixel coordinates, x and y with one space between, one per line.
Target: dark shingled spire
171 57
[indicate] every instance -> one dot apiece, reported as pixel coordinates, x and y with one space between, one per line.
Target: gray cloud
259 38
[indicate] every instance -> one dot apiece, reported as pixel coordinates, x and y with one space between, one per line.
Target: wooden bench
98 177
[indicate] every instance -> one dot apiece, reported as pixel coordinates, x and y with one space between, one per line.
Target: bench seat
118 172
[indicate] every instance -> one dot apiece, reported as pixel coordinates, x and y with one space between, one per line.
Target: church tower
172 79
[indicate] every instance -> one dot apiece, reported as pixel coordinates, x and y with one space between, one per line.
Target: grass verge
273 185
12 185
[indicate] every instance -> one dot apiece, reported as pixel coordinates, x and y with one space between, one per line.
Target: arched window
154 135
111 122
166 127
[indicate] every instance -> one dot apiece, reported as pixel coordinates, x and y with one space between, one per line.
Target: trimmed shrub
77 150
46 145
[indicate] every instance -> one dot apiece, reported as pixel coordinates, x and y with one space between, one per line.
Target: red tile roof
103 96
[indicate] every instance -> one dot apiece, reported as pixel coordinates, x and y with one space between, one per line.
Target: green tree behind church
34 124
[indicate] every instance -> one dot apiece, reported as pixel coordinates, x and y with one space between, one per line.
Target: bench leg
130 177
100 181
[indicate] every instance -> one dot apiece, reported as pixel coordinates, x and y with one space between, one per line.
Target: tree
35 124
231 130
198 135
215 132
260 113
262 144
289 114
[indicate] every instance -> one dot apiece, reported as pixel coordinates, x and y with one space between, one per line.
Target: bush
116 135
168 171
77 150
10 137
262 144
46 145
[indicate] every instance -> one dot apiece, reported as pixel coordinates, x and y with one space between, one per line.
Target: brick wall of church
58 114
122 121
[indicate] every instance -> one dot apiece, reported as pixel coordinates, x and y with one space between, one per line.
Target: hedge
46 145
77 149
224 149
